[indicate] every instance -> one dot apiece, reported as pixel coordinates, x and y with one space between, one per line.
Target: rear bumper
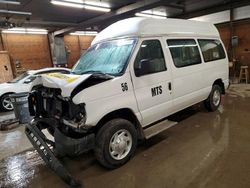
63 145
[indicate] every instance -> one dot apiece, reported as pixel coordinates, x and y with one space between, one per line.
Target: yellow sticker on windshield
67 78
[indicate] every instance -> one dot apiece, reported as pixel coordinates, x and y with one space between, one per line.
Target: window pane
184 52
150 58
211 50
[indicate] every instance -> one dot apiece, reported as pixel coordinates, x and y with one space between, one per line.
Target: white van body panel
193 84
152 108
107 97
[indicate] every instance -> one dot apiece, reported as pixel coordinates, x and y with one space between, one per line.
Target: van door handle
169 86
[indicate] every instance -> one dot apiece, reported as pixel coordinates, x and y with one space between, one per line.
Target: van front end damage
65 122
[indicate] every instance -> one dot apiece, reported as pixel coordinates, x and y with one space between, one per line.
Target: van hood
66 82
69 82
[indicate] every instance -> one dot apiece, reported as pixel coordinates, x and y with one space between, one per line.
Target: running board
157 128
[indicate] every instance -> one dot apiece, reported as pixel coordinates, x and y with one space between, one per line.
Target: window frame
198 48
211 39
137 51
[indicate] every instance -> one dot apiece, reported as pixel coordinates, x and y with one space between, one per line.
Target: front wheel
6 103
214 99
116 143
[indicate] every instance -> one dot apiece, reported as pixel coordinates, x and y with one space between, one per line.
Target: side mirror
27 81
143 68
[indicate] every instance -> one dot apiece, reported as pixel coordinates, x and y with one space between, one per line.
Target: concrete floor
205 150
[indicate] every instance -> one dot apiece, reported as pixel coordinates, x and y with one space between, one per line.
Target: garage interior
202 150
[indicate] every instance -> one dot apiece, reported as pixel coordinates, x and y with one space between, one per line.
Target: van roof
139 26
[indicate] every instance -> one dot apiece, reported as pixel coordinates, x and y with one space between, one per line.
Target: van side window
184 52
150 58
211 49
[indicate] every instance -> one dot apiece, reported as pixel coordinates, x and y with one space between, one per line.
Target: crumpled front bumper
46 148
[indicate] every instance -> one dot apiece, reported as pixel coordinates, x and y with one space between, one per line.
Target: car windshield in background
107 58
20 77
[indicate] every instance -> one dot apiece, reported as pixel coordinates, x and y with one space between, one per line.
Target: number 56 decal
124 86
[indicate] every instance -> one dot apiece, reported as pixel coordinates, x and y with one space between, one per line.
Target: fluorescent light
80 4
15 12
89 33
103 9
74 1
26 31
150 15
10 2
98 4
154 12
67 4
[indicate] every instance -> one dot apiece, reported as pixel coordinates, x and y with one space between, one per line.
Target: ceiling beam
121 13
176 6
49 23
214 9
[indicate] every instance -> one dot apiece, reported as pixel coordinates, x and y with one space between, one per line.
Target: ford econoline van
135 74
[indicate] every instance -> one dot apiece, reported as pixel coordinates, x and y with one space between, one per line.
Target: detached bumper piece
43 145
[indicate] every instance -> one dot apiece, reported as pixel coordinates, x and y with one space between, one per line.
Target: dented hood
66 82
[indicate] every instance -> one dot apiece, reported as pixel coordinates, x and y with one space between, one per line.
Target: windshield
107 58
20 77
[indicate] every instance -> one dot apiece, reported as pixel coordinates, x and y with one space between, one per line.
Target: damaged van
135 74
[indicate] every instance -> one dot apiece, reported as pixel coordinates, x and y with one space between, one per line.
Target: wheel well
221 84
124 113
6 94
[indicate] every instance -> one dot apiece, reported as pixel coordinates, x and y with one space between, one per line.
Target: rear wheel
116 143
6 103
214 99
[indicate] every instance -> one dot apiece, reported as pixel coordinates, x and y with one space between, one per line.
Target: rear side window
184 52
150 58
211 49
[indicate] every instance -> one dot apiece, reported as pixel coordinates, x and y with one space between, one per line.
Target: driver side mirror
144 67
29 80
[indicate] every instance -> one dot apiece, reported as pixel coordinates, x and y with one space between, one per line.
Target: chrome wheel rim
7 104
120 144
216 98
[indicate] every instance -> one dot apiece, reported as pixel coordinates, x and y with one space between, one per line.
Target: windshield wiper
98 73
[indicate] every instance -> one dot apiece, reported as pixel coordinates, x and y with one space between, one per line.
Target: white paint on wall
224 16
215 18
242 13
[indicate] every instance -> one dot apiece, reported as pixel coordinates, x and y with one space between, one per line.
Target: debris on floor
8 121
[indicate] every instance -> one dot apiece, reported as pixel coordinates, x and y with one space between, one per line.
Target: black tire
2 107
210 103
104 138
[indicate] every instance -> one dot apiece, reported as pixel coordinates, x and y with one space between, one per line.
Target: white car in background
23 83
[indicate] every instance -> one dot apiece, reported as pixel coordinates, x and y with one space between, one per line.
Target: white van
136 73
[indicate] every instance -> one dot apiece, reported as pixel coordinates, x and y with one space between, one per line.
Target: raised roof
139 26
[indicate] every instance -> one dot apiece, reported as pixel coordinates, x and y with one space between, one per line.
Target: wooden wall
76 45
31 50
242 30
1 43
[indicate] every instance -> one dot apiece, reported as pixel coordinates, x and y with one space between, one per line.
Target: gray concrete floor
205 150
